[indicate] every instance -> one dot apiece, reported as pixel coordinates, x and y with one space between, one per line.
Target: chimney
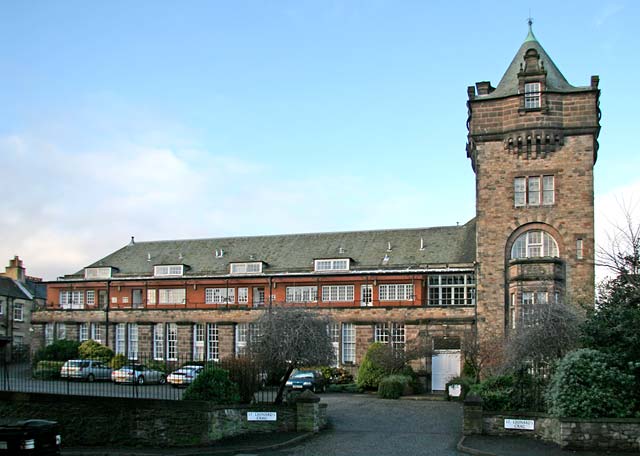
15 269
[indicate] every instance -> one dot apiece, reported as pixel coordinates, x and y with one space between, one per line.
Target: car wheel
91 378
140 380
162 380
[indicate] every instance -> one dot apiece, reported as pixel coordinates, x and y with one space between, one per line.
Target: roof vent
385 260
219 253
252 257
180 256
148 257
341 249
133 241
388 247
421 243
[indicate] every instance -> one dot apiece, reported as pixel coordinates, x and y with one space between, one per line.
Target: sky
200 119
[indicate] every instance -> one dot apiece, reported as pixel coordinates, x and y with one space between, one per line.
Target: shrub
60 350
47 370
340 376
370 371
160 366
392 386
344 388
118 361
244 372
213 384
588 384
90 349
495 392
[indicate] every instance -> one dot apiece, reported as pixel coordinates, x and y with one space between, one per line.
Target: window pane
534 191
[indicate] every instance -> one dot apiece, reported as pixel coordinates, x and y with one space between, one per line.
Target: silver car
85 369
184 376
139 374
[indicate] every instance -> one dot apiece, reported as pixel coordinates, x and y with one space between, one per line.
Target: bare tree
289 338
482 356
553 330
621 254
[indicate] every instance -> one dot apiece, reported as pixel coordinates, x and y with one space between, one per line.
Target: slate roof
295 253
11 289
555 80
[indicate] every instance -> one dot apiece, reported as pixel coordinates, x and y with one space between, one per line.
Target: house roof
555 80
12 289
295 253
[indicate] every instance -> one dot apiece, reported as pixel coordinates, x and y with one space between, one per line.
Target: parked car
139 374
184 376
85 369
306 379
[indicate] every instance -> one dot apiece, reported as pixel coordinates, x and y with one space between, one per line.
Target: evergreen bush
392 386
47 370
60 350
118 361
370 371
213 384
588 384
90 349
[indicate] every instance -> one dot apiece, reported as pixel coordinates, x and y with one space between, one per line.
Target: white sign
262 416
527 425
455 390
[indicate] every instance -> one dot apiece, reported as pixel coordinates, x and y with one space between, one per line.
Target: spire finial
530 35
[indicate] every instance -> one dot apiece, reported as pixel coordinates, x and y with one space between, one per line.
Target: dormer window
341 264
246 268
532 95
168 270
97 273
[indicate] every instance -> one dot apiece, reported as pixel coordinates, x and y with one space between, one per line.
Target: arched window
534 244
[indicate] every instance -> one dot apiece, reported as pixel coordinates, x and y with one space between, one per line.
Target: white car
184 376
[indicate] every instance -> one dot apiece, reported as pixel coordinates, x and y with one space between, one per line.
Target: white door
444 366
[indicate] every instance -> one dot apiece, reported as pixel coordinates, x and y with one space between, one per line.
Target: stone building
19 296
532 143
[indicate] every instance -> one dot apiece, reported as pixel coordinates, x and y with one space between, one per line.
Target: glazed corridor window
532 95
534 244
452 290
168 270
396 292
390 333
331 265
534 191
302 294
71 299
171 296
333 293
219 295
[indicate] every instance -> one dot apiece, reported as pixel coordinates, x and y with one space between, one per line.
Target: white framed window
97 273
172 341
334 333
381 333
18 339
579 249
534 190
212 342
48 333
18 311
452 290
246 268
395 292
198 341
366 295
96 332
243 295
531 306
172 296
72 299
302 294
132 341
151 296
335 264
337 293
120 339
61 331
392 333
245 334
348 343
531 95
158 341
83 332
534 244
168 270
219 295
91 297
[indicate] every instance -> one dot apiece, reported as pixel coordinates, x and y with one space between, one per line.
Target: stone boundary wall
569 433
91 420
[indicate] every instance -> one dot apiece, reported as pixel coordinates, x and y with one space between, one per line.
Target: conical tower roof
555 81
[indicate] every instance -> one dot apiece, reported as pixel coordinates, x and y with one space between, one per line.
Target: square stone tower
532 143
